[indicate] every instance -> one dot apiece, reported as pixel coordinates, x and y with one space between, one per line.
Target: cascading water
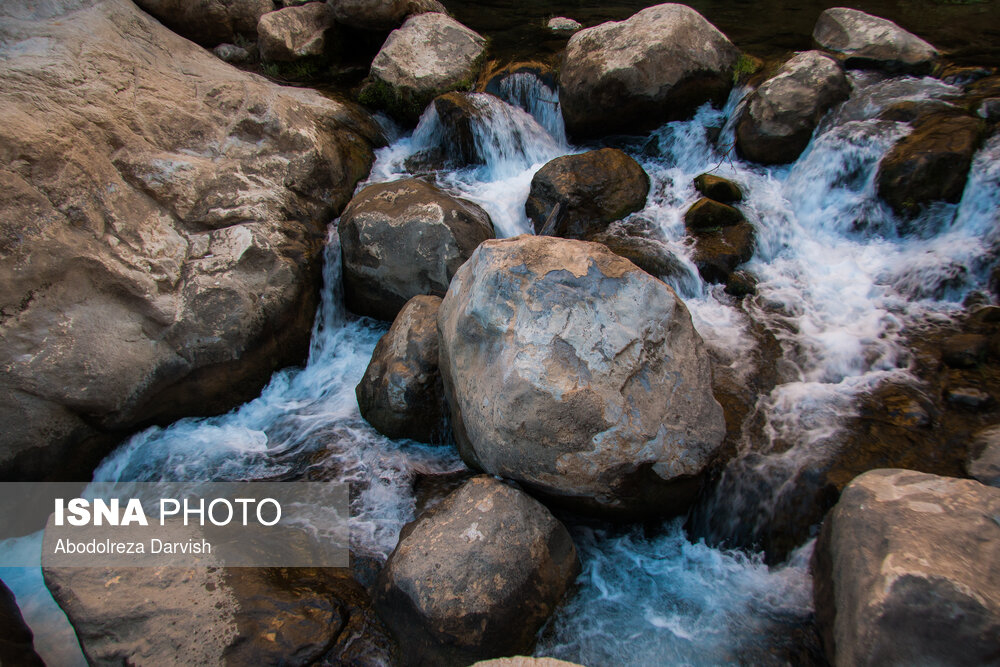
837 284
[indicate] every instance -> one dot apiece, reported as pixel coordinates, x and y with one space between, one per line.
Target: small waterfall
529 92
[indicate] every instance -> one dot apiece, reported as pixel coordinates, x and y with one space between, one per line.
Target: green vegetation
745 67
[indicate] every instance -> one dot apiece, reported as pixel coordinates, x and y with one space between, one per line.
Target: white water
837 284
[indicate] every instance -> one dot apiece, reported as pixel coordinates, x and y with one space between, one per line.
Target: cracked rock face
476 576
163 221
572 371
905 571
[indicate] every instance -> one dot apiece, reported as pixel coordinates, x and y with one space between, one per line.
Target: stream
837 284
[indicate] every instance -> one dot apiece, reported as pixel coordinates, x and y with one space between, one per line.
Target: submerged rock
720 189
575 196
380 14
984 456
215 616
209 22
429 55
780 116
401 393
905 571
402 239
870 41
575 373
931 163
294 33
162 241
630 76
17 646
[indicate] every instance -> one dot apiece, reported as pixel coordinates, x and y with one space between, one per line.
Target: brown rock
964 350
707 215
984 456
401 393
717 253
476 576
209 22
720 189
294 33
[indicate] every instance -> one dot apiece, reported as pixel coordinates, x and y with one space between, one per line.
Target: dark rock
930 164
989 109
209 22
17 647
476 576
547 332
780 116
232 54
707 215
904 572
402 239
964 350
401 393
741 284
869 41
381 15
717 253
909 111
720 189
214 616
294 33
631 76
591 189
651 255
969 398
983 463
458 112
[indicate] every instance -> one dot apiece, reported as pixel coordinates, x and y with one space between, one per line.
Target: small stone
720 189
741 284
563 24
968 397
232 54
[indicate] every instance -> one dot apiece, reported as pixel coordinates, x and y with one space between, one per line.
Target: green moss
745 67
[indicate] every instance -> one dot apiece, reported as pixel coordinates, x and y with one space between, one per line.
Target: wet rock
707 215
649 254
17 645
989 109
930 164
213 616
562 362
964 350
382 15
909 111
905 571
984 456
294 33
720 189
429 55
780 116
630 76
458 112
563 24
968 397
209 22
232 54
869 41
401 393
161 257
591 190
717 253
740 284
476 576
402 239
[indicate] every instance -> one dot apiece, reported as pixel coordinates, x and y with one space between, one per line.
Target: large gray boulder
401 393
476 576
780 116
402 239
294 33
429 55
632 75
870 41
574 372
905 572
576 196
220 616
209 22
162 240
380 15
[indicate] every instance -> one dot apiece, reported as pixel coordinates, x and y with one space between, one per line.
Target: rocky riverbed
641 341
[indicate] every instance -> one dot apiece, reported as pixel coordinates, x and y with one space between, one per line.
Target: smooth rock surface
293 33
476 576
380 14
870 41
591 189
429 55
575 373
402 239
630 76
984 456
401 393
209 22
220 616
708 214
648 253
164 217
780 116
905 572
718 188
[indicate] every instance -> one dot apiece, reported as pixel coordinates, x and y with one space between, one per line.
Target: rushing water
838 282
